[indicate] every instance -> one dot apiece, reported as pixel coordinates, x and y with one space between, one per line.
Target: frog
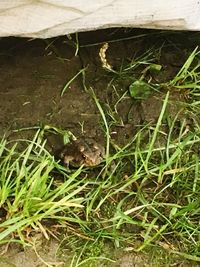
83 151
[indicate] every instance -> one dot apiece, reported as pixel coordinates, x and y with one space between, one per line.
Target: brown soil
33 74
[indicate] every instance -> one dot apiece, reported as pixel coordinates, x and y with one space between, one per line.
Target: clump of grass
151 187
158 191
188 75
29 192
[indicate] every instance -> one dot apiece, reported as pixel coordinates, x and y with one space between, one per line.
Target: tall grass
30 192
152 188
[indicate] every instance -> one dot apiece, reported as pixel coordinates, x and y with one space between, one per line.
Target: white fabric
48 18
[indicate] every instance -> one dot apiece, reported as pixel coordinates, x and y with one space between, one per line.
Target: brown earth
33 74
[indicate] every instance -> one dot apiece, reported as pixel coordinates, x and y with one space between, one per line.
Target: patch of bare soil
47 253
32 76
40 255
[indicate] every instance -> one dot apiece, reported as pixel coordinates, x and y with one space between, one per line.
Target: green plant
29 192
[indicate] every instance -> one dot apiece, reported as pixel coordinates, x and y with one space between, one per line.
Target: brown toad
83 151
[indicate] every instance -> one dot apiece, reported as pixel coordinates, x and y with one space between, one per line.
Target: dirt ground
33 74
46 253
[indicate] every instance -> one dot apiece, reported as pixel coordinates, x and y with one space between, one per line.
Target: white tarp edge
48 18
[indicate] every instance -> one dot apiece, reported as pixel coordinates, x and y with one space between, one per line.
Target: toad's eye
84 156
81 148
95 147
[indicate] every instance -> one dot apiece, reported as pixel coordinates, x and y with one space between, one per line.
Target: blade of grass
71 80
